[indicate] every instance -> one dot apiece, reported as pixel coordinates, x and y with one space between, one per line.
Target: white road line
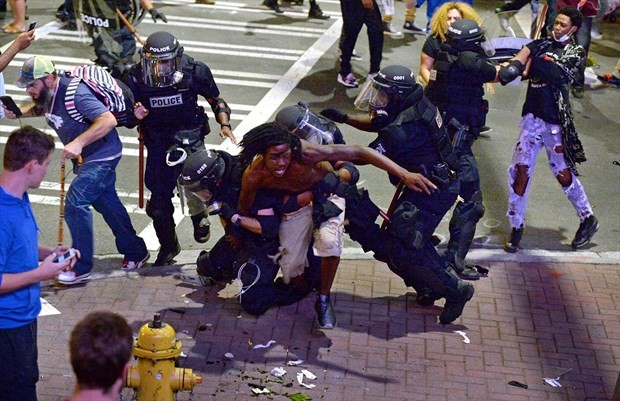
236 8
280 91
245 28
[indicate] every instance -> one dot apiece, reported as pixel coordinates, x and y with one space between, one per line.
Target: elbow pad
510 72
221 107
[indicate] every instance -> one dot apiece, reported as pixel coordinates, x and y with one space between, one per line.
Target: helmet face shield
159 71
201 174
312 129
161 59
305 124
373 96
204 194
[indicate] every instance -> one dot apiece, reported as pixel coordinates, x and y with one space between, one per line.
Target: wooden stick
140 168
61 216
129 26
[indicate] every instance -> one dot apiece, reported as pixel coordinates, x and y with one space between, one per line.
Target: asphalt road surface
262 62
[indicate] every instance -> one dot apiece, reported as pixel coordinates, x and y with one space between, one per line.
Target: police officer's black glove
334 115
156 14
328 184
227 211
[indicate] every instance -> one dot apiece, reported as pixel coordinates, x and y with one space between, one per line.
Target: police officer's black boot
164 225
202 227
457 294
512 245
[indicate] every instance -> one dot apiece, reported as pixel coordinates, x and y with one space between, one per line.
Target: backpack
113 93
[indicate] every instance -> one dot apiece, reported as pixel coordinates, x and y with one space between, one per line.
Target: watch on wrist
226 125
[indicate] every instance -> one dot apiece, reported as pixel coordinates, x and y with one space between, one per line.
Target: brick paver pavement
527 321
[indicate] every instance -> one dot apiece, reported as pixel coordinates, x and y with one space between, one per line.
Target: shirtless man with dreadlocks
282 161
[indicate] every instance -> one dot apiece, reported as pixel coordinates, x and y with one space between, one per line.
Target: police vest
419 137
175 105
456 91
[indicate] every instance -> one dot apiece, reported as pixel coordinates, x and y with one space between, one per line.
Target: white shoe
596 35
70 278
135 264
349 81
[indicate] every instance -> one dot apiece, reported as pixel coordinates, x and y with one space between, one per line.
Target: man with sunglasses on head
95 141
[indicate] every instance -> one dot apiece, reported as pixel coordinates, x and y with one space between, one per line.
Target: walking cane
386 216
61 215
140 134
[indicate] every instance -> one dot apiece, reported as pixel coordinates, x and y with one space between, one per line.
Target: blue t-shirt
107 148
19 252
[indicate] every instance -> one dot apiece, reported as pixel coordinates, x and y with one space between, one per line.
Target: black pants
354 16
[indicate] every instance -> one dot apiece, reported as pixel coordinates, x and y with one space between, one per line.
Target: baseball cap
34 68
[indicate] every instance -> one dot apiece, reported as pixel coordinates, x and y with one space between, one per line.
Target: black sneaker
485 129
411 27
273 4
325 313
317 13
202 228
586 231
512 245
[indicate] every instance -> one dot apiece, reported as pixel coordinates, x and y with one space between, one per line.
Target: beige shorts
295 234
328 239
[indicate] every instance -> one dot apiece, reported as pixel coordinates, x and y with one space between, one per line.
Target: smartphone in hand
10 104
70 254
32 26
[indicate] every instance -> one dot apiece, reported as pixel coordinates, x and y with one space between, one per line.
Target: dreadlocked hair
260 138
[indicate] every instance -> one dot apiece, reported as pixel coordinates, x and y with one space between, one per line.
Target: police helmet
391 85
202 171
301 121
465 34
161 59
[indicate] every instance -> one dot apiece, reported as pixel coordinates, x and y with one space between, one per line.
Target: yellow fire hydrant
155 378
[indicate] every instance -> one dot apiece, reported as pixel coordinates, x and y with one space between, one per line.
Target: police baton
140 134
386 216
129 26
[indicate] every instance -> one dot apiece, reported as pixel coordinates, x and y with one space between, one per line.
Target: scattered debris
269 344
229 355
464 335
278 372
295 363
298 397
259 389
202 327
183 355
555 382
308 375
517 384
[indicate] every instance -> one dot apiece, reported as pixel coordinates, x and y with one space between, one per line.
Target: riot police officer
456 88
412 133
167 83
114 43
250 244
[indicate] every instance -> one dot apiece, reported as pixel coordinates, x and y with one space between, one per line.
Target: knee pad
404 225
158 210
